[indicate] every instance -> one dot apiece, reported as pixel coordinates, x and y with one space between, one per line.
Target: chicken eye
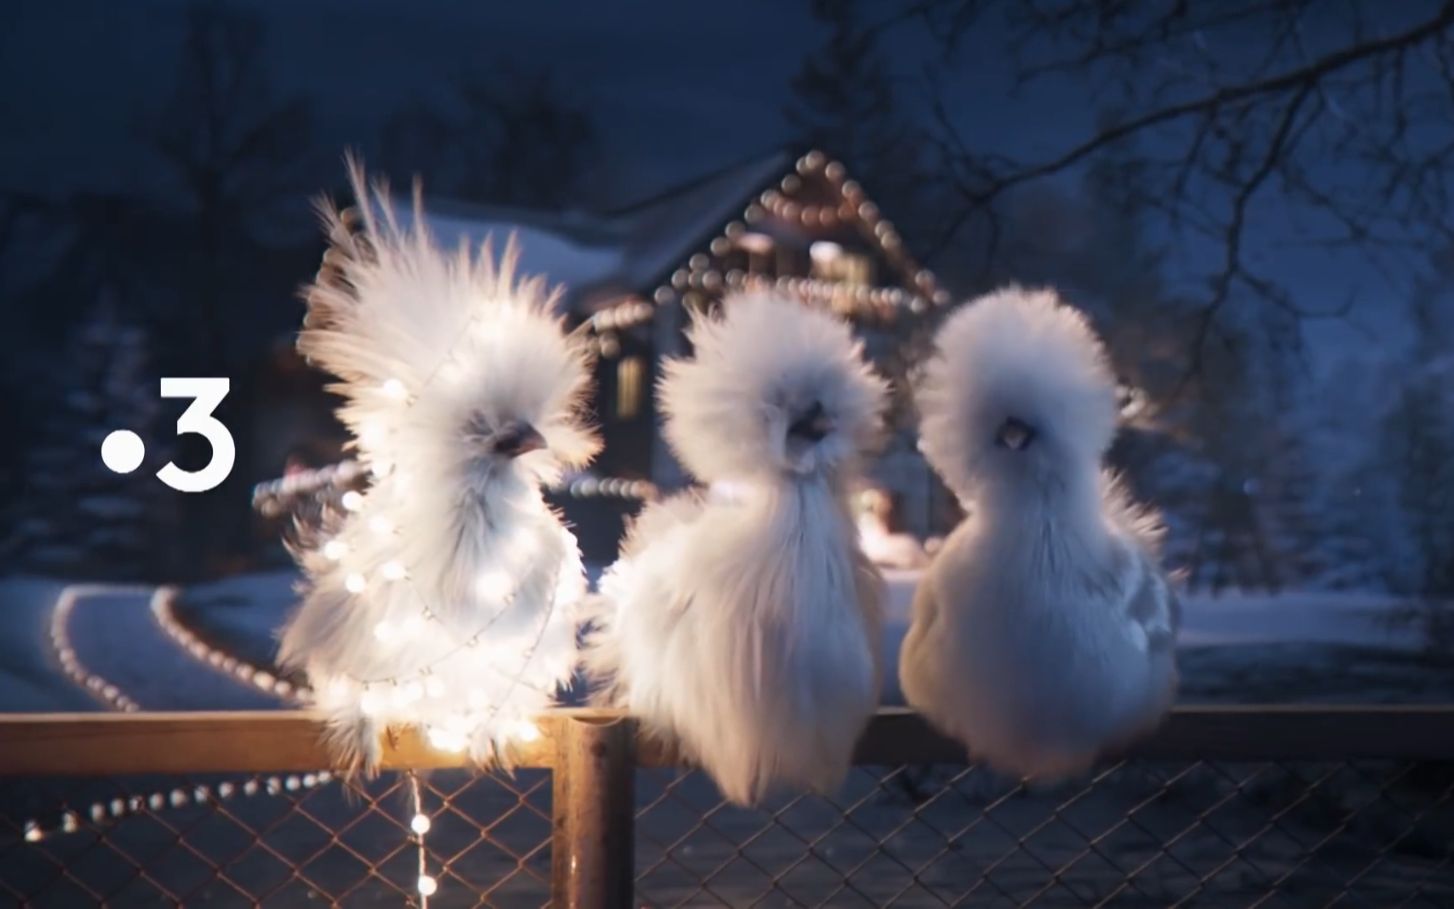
814 424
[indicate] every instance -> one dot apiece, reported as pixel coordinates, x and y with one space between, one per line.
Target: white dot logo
122 451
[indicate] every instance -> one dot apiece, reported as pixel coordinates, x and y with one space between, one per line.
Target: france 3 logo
123 450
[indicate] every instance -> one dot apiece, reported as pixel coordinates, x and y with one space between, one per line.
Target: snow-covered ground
1310 647
31 679
1306 646
1295 647
115 638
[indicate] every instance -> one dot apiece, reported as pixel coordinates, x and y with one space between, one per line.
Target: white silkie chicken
446 595
1043 632
743 623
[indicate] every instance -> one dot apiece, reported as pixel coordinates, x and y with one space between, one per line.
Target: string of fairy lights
848 206
163 609
426 628
111 810
399 691
106 811
60 637
286 495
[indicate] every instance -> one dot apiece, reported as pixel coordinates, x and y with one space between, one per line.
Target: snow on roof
560 257
630 249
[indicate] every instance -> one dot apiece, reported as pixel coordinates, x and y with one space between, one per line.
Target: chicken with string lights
742 623
446 595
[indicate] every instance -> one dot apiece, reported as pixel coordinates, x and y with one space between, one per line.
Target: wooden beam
1258 732
100 744
593 810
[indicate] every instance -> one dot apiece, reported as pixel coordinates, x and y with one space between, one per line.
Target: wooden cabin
797 223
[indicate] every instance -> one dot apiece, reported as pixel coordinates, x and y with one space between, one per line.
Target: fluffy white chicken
446 595
1043 632
743 623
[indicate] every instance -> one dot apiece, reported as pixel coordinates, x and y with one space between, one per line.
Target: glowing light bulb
381 468
420 824
355 583
411 627
446 740
493 584
381 525
409 692
527 731
335 550
395 390
384 632
371 702
393 571
434 686
427 885
352 500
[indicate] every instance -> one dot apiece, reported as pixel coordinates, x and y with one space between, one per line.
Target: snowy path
116 637
1296 647
31 681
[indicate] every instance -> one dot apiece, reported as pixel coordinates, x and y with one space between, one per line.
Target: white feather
448 599
743 624
1042 634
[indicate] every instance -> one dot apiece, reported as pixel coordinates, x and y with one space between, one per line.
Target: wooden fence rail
593 754
93 744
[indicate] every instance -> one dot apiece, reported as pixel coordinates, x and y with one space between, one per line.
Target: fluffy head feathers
1018 385
457 335
775 389
445 595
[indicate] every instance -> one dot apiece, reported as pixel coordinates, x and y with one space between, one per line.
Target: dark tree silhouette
512 137
1345 113
846 102
77 516
238 159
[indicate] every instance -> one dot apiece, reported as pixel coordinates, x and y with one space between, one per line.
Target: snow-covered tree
77 517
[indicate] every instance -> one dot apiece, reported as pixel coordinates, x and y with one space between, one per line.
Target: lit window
831 262
630 386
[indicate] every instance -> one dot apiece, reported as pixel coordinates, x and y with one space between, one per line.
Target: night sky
678 89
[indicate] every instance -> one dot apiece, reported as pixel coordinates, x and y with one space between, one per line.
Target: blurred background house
1277 301
791 222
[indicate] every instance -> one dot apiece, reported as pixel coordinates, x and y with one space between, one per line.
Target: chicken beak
1015 434
520 441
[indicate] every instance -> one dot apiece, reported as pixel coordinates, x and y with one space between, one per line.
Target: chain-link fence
275 839
1133 834
1161 827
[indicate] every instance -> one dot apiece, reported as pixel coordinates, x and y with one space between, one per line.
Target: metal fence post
593 838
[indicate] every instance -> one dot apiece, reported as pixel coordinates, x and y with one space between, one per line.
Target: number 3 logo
206 394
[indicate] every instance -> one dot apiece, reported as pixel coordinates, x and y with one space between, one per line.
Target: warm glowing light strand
420 824
852 207
114 809
117 808
273 498
163 609
60 637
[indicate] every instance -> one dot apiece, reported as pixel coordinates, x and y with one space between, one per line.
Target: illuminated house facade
797 223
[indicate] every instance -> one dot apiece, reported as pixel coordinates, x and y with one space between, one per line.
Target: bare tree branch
1360 133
